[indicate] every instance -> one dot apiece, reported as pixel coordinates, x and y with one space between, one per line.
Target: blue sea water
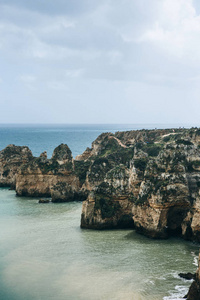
45 255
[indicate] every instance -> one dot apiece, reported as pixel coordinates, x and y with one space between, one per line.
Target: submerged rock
44 201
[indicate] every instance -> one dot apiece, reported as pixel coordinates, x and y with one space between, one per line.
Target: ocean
44 254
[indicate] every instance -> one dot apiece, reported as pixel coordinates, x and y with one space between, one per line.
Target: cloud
27 78
50 7
67 47
176 30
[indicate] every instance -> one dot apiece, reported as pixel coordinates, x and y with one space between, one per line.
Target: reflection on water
45 255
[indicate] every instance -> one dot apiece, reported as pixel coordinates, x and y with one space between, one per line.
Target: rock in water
44 201
187 276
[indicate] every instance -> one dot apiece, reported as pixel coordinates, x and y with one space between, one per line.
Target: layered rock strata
55 177
152 176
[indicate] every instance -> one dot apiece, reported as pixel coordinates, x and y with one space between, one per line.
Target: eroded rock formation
149 178
151 175
11 159
146 179
55 177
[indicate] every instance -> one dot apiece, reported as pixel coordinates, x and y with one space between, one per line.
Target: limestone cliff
151 175
146 179
149 178
11 159
53 177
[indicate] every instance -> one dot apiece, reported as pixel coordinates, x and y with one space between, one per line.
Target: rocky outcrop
11 160
105 210
149 178
155 173
55 177
146 179
187 276
194 291
112 184
67 190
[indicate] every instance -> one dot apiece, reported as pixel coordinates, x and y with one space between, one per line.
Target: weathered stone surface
55 177
62 154
11 159
157 169
104 212
67 191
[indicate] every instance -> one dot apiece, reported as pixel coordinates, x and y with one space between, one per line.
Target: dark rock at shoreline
44 201
187 276
194 291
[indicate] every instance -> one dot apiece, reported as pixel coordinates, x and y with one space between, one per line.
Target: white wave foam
180 292
195 261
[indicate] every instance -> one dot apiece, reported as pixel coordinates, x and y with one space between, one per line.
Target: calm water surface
45 255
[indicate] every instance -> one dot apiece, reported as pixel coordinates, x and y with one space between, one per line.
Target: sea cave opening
175 218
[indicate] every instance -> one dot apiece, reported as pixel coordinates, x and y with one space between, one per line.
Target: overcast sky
100 61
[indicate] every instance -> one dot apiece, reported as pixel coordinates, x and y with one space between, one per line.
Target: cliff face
11 159
194 291
53 177
151 176
112 184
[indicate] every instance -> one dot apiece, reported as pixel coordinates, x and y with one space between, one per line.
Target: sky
108 61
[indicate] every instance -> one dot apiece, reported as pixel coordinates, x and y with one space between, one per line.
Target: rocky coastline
143 179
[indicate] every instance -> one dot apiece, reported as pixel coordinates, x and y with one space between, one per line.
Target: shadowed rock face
194 291
11 159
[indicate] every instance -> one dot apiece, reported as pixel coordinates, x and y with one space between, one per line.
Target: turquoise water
45 255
